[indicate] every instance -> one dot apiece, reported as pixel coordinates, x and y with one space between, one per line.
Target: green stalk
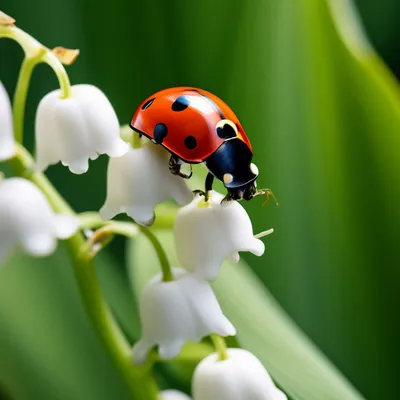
140 383
220 346
139 380
162 256
21 93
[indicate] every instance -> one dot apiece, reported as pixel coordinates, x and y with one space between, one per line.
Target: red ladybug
196 126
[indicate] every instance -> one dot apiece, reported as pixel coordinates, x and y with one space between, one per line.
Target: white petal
204 304
39 245
170 350
7 144
118 148
173 313
27 218
240 377
138 181
75 129
173 395
140 351
221 231
65 226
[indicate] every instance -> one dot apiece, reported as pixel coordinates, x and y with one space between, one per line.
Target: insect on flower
196 126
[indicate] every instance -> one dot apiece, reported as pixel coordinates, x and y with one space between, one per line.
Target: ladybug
196 126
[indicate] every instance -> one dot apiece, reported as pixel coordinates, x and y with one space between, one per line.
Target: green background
323 116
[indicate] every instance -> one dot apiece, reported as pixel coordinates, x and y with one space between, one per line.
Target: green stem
220 346
62 76
21 93
138 379
35 53
162 256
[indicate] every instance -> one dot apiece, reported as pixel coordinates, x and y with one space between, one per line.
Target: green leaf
48 349
263 327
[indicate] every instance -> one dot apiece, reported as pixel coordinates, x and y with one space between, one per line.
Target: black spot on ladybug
160 132
190 142
148 103
180 104
226 132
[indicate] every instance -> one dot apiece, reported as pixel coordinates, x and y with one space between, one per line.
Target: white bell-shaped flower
140 180
76 128
27 220
173 395
208 232
7 144
240 377
172 313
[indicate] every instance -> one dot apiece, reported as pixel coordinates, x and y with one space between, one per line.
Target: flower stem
220 346
139 381
21 93
35 53
61 73
162 256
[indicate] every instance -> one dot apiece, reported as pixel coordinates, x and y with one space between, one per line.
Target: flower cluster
77 123
184 308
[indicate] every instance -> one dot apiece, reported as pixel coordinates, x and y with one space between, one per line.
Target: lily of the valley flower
208 232
240 377
140 180
173 395
27 220
7 144
77 128
176 312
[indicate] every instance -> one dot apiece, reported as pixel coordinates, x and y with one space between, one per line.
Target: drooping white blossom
7 144
208 232
28 222
172 313
77 128
173 395
140 180
240 377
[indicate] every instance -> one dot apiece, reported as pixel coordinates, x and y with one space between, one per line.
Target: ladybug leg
175 165
209 184
227 199
268 193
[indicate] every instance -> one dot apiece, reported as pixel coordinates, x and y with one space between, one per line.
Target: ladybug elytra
196 126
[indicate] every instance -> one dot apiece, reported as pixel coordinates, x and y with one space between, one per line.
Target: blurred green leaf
48 349
263 327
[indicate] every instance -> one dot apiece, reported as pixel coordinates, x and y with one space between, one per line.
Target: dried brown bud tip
66 56
6 19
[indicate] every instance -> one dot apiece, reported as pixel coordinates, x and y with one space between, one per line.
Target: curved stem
30 45
61 73
220 346
138 379
162 256
21 93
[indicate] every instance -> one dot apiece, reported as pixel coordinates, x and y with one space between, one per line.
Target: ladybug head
231 163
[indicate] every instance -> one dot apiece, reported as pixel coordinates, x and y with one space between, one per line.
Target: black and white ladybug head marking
226 129
231 164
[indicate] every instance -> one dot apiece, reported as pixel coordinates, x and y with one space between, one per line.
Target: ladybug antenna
268 193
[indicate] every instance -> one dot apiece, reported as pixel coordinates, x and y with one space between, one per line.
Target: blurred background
323 114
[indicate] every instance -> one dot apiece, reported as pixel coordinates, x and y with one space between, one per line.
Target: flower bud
175 312
240 377
208 232
140 180
76 128
7 144
27 220
173 395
